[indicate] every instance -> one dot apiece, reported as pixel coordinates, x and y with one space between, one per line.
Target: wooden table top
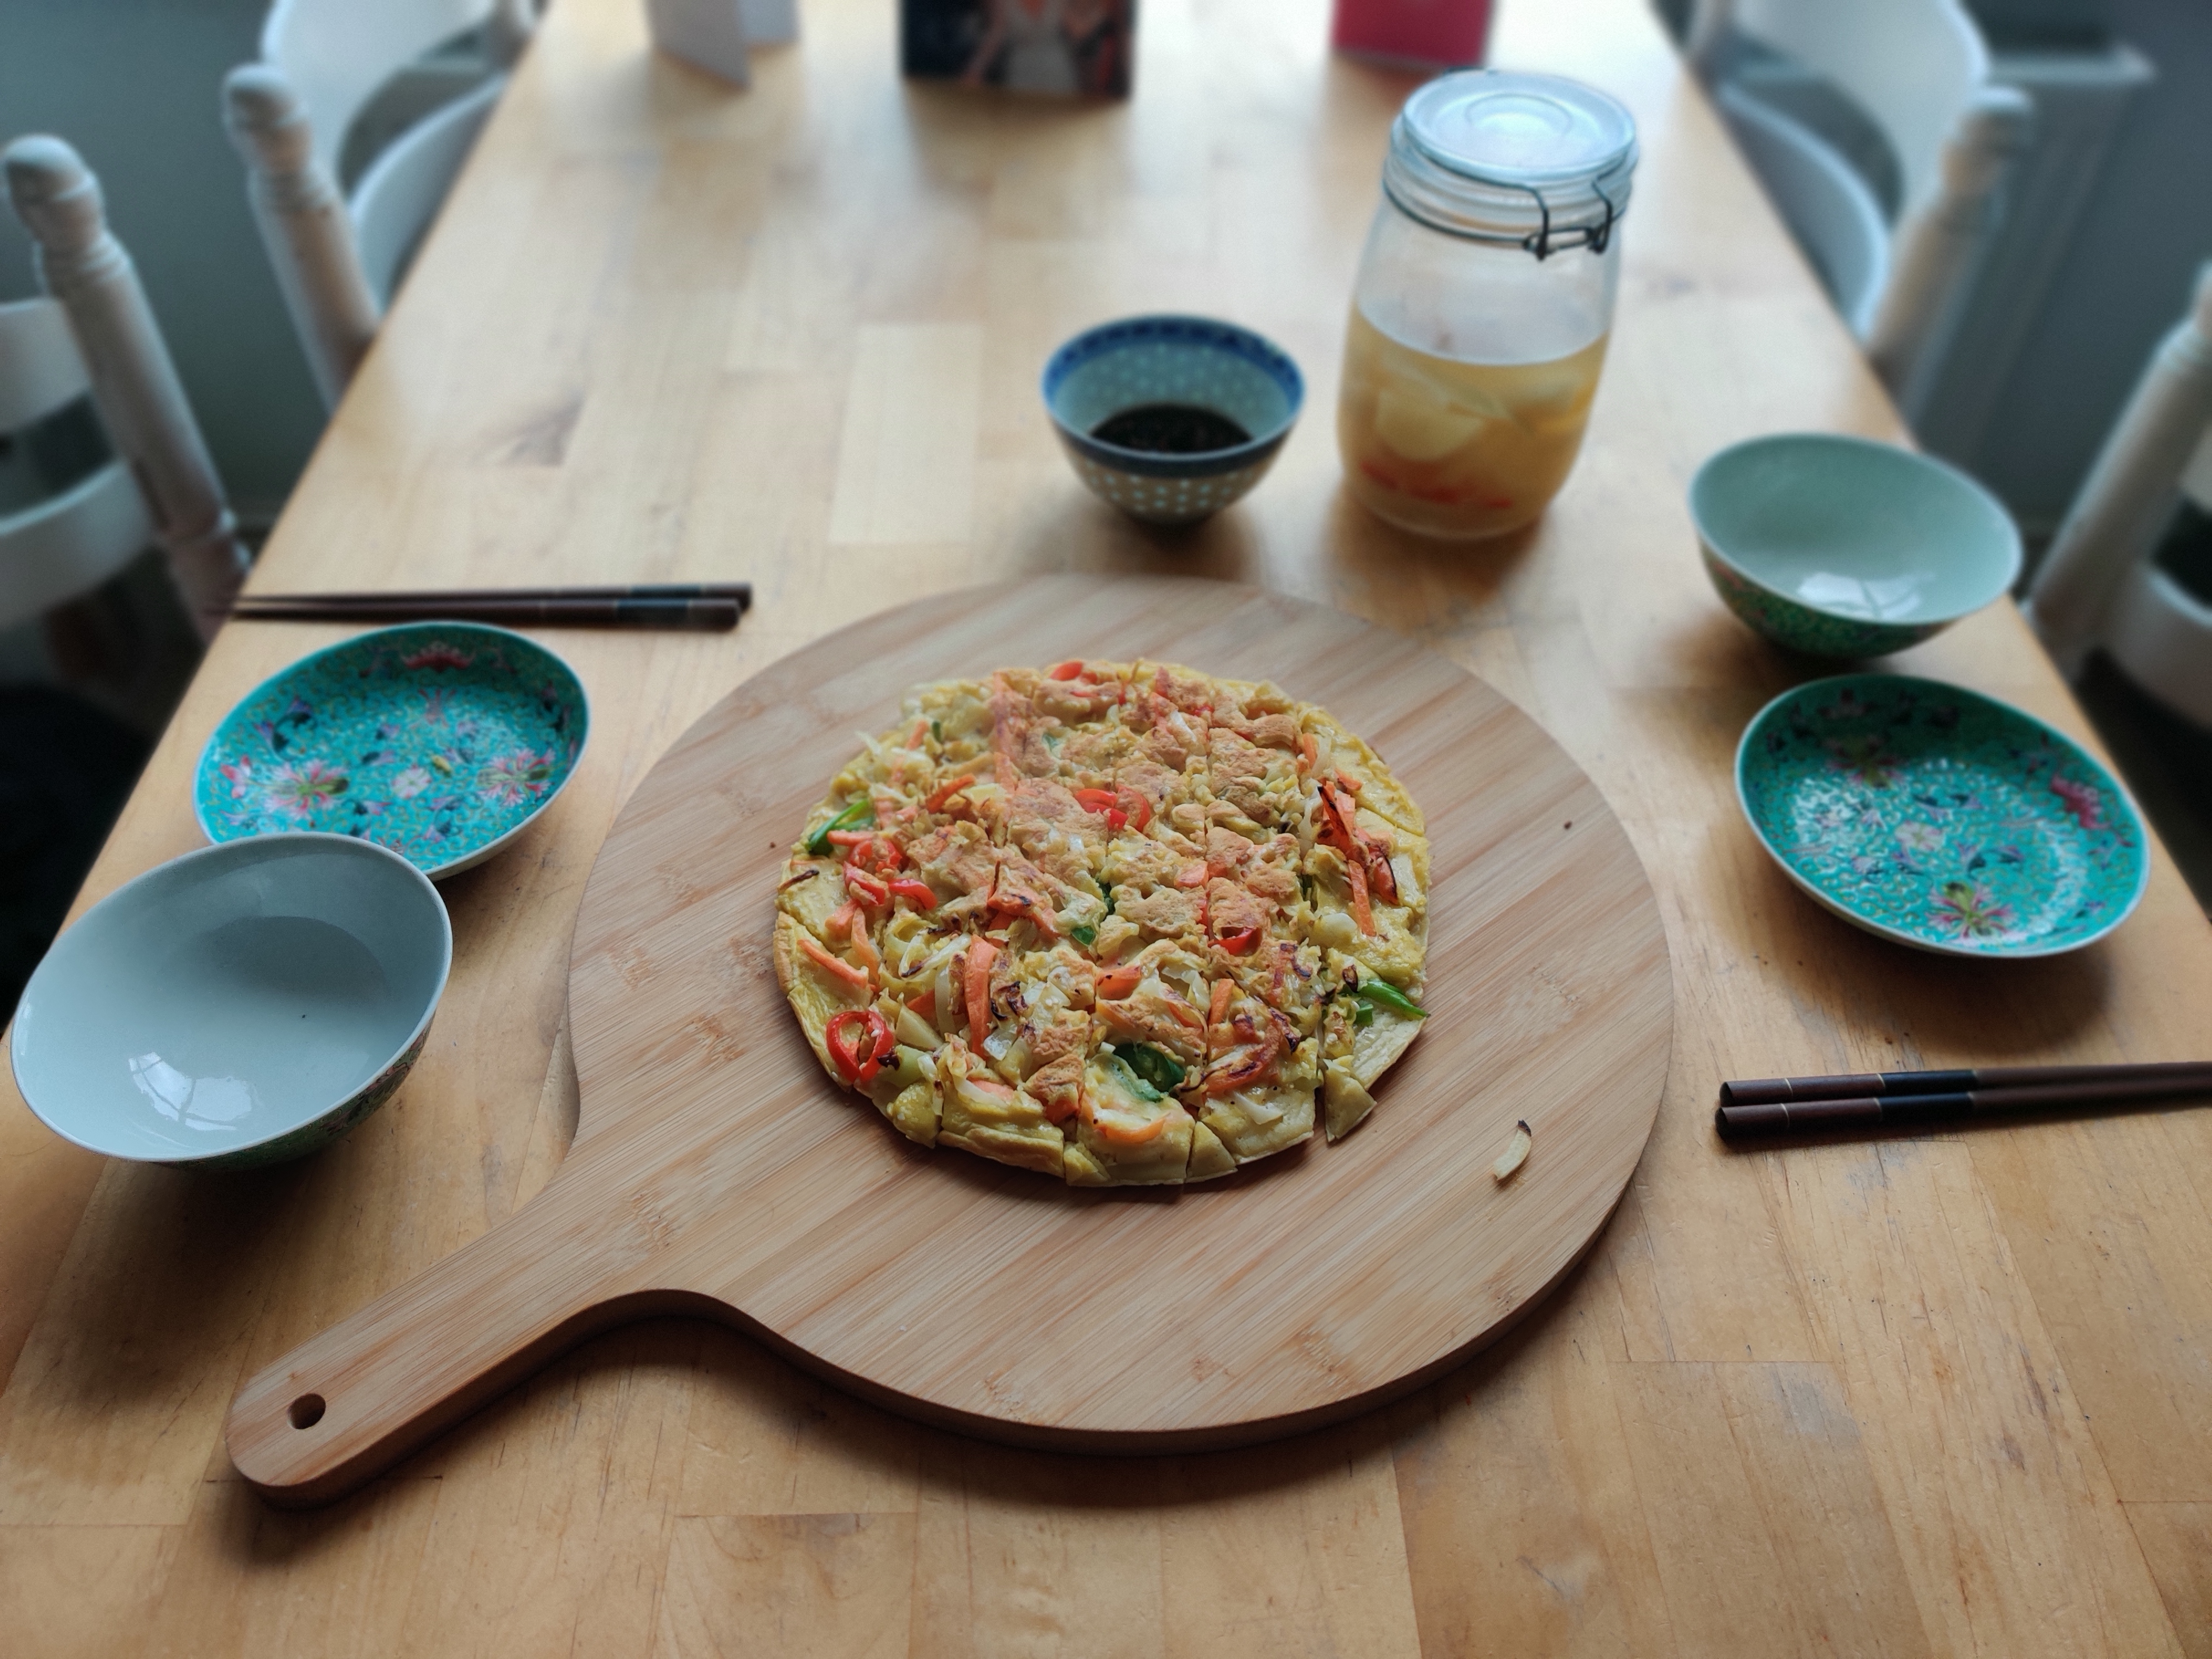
1947 1395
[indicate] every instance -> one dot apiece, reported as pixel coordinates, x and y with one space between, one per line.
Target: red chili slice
870 891
856 1064
877 854
917 892
1240 941
1106 804
1068 670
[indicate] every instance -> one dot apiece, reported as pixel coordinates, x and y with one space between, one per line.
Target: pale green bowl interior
1854 529
231 996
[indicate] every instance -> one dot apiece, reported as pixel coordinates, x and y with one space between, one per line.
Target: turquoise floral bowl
1841 547
441 741
1941 818
239 1005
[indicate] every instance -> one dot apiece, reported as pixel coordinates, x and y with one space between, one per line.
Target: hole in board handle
306 1412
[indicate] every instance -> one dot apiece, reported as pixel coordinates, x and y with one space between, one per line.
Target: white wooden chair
339 260
2098 586
95 332
1919 70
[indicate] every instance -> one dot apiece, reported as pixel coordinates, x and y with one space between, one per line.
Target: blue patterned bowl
1941 818
1841 547
239 1006
1117 367
438 740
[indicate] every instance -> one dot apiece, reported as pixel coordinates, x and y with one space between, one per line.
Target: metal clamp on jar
1479 319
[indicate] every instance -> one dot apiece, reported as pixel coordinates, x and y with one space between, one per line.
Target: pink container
1445 31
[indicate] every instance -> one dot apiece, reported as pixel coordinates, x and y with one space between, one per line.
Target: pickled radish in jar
1479 320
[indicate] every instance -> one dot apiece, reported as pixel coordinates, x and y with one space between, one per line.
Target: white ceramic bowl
242 1004
1842 547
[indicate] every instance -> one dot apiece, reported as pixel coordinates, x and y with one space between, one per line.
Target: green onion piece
860 812
1085 936
937 730
1363 1016
1161 1070
1381 994
1136 1085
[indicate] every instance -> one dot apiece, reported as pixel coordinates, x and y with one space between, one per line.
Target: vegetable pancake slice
982 1114
1128 1132
1122 923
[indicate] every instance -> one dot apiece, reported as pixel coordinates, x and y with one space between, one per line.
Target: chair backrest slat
398 198
70 543
1912 65
336 53
41 370
1828 207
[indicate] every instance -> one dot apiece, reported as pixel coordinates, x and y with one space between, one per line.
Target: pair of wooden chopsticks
1874 1100
701 605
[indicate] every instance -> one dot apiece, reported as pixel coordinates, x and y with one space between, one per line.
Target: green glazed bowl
1940 818
1842 547
239 1005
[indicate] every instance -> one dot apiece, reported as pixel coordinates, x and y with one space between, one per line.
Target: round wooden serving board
717 1170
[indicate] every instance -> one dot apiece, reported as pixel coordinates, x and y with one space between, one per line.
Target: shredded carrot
924 1005
1223 991
980 955
946 791
864 947
1308 750
1351 784
1120 982
1362 911
1361 855
1119 1131
845 970
921 731
841 919
1191 875
1115 1131
1183 1011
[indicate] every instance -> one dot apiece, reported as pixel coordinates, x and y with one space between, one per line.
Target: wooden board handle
345 1405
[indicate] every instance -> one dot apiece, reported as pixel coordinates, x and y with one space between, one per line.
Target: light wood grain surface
717 1170
1947 1395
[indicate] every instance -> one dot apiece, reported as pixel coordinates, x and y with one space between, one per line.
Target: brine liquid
1450 448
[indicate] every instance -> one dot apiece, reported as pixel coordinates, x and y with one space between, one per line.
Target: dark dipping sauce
1170 430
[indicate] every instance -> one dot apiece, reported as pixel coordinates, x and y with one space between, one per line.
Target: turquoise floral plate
440 741
1941 818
